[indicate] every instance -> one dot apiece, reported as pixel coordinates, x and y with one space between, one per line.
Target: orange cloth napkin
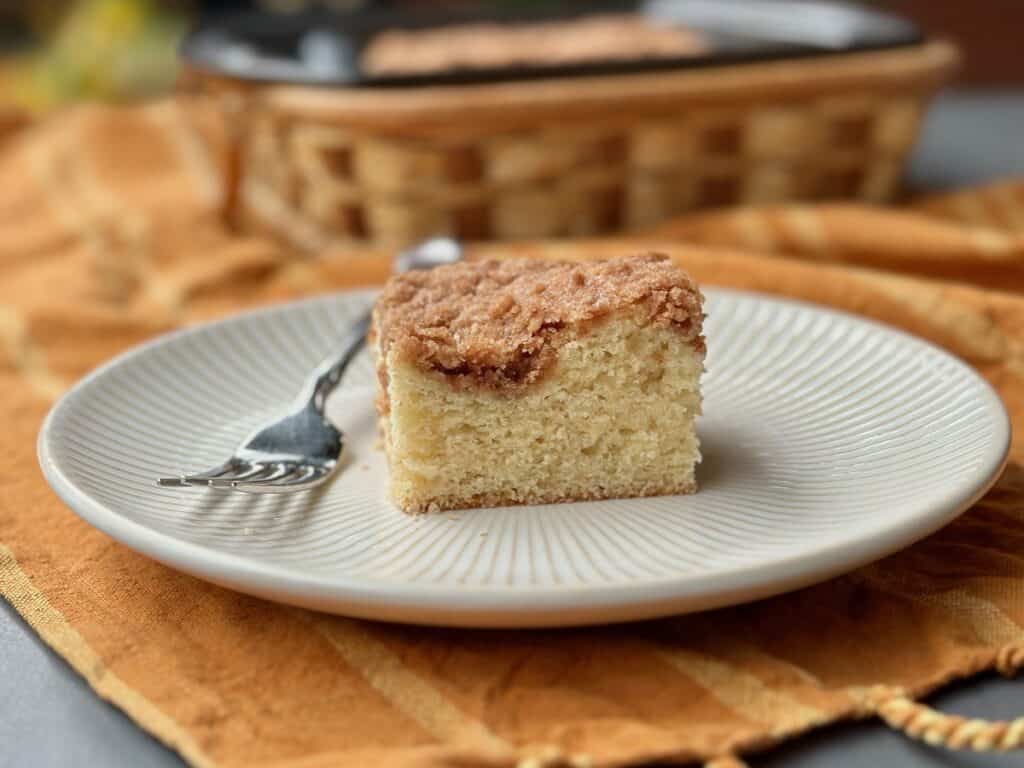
110 233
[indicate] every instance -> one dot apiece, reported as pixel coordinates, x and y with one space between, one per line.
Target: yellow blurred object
100 49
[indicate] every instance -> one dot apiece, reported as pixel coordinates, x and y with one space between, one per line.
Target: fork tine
308 477
229 468
255 469
241 469
281 471
184 481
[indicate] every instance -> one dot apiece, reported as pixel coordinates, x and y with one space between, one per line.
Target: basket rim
915 69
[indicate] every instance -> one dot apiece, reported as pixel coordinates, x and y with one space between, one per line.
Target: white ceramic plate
829 441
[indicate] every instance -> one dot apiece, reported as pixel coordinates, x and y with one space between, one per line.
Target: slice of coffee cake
526 381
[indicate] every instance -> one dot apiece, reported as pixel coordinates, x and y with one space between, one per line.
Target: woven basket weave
318 167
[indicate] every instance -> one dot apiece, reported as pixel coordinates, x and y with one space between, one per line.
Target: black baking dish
324 48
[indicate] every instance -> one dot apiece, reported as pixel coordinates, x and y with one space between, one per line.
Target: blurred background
54 52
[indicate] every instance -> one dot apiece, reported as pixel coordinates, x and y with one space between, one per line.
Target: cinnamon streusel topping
499 323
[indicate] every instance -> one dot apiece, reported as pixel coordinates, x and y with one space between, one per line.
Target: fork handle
323 380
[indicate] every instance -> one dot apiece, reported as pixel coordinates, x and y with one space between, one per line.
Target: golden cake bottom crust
504 499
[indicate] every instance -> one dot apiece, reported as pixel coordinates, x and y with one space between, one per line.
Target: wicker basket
579 156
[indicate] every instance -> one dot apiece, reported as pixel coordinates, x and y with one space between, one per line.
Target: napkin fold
111 232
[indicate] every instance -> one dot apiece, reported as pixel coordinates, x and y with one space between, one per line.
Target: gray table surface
49 717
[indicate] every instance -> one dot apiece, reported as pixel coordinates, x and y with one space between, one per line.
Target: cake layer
525 381
485 46
613 419
500 324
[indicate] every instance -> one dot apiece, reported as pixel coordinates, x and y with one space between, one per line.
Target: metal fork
301 450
